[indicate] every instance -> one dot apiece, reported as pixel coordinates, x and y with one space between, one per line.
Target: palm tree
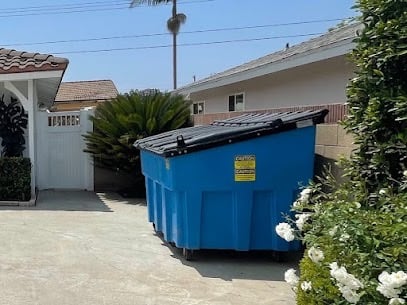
118 123
173 25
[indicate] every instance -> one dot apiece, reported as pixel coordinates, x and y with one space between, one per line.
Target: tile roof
341 34
12 61
86 91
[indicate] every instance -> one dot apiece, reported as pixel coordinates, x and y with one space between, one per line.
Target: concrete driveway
82 248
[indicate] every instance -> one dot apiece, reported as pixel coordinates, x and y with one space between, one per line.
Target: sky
105 39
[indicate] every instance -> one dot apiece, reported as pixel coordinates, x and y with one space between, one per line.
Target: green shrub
127 118
356 236
363 240
120 122
377 96
15 179
366 243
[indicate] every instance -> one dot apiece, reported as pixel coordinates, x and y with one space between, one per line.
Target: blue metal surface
196 203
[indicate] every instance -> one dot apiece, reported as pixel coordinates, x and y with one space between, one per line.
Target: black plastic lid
244 127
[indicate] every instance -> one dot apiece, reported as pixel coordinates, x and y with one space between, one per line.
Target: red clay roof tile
12 61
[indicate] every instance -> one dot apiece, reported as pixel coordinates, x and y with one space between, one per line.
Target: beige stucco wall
319 83
332 143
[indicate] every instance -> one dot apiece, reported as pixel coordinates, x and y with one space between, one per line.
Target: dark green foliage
15 179
365 240
362 225
127 118
377 97
13 121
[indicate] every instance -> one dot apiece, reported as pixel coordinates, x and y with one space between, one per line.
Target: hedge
15 179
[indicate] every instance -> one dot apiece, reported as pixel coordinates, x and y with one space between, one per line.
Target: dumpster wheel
187 253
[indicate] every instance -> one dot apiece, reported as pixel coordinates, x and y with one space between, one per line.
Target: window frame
197 103
243 94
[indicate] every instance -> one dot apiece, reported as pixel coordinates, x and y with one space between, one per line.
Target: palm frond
120 122
174 23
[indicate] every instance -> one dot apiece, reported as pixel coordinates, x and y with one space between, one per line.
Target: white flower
315 254
405 173
341 275
333 266
306 191
305 194
388 291
349 294
301 220
358 205
390 284
382 192
399 278
285 231
353 283
384 278
396 301
291 278
394 280
306 286
297 203
333 231
346 282
344 237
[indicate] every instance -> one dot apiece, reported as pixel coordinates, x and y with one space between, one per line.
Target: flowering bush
356 236
355 254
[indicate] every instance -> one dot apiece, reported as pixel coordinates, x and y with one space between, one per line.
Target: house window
198 108
236 102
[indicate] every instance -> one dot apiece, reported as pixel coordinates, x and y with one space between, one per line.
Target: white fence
61 162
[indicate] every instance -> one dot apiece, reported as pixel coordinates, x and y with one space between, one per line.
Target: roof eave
69 101
65 66
32 75
333 50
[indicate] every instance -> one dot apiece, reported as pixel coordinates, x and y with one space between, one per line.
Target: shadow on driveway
116 198
230 265
58 200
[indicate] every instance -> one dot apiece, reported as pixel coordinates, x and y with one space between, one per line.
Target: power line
61 7
76 5
80 8
65 12
165 33
186 44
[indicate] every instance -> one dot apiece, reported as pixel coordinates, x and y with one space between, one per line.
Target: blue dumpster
228 184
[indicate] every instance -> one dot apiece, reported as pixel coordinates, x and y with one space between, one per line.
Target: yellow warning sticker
245 168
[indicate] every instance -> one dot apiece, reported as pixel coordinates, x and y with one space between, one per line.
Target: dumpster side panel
150 198
195 200
281 158
216 230
261 233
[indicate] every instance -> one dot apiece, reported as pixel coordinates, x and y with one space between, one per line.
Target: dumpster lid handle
180 141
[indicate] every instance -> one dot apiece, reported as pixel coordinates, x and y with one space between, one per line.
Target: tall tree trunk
174 58
174 45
